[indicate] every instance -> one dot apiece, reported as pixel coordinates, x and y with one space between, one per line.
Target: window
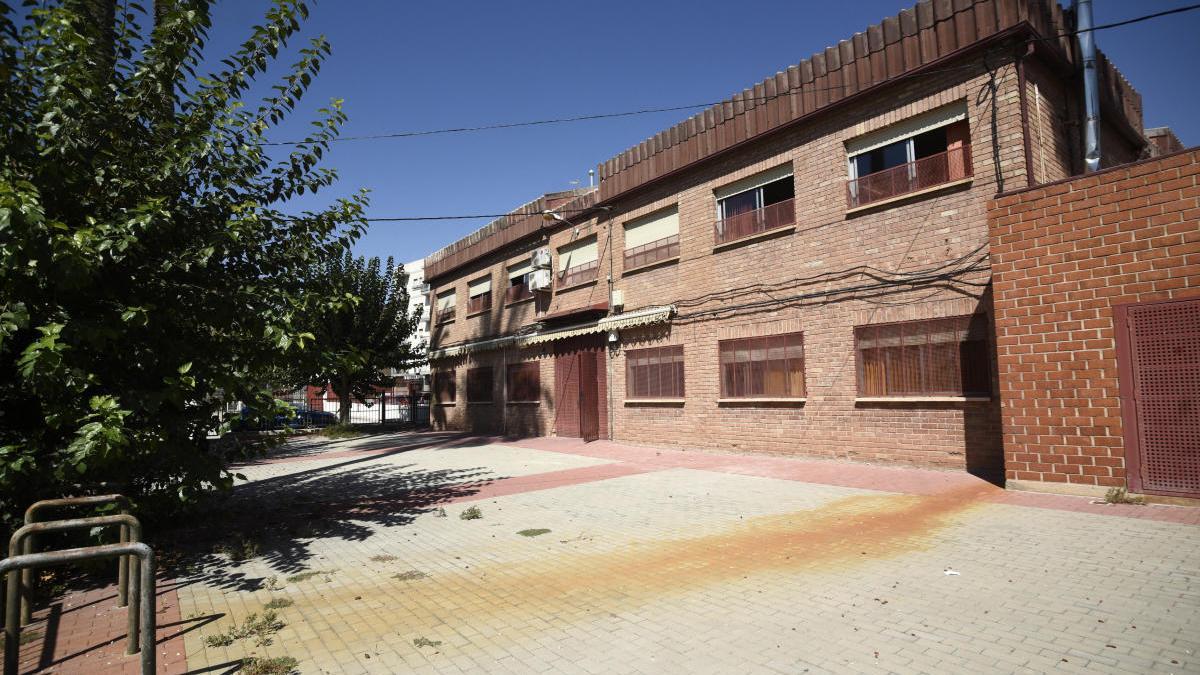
652 239
524 382
444 387
939 357
445 306
479 295
479 385
919 153
654 373
763 367
757 204
578 262
518 283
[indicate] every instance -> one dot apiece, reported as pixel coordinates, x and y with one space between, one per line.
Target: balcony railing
944 167
479 303
517 293
650 253
579 274
772 217
445 316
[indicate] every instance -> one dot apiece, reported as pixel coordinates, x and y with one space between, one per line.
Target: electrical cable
647 111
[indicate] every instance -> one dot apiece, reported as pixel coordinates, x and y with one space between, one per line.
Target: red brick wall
1062 256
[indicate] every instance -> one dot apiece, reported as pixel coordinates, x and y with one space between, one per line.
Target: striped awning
640 317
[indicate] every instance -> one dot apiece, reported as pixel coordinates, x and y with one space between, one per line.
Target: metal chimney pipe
1091 84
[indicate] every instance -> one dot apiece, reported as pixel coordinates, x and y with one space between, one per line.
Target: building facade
1097 305
801 269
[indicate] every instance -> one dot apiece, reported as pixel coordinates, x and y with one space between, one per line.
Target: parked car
301 418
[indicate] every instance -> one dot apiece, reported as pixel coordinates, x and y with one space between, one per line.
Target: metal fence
312 409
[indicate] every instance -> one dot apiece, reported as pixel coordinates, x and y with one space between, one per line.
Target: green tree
364 334
148 271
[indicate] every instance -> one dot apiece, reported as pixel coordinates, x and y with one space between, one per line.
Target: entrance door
589 395
578 382
1158 356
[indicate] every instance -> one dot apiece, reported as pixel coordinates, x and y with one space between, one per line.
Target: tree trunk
344 401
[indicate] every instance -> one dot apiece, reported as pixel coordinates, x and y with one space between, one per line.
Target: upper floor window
578 262
518 282
656 372
480 385
524 382
763 367
920 153
937 357
479 295
446 304
651 239
760 203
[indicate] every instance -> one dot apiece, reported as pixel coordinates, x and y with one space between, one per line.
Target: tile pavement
662 561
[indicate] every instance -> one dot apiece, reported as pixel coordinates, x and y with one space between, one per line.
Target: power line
693 106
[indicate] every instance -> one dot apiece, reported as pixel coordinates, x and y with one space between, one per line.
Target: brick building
1097 306
802 268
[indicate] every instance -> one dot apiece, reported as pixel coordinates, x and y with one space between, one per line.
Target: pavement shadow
276 520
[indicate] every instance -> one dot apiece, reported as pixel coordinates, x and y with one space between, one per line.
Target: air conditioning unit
540 259
540 280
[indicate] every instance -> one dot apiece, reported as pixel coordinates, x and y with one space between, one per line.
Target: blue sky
404 66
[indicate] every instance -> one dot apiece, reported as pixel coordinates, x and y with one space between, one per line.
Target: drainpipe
1091 85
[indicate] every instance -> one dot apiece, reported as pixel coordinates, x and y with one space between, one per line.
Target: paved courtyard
605 558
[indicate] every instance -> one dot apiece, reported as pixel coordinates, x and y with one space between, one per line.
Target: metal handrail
31 516
130 527
142 604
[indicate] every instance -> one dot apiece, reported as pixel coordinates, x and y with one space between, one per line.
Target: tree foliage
148 272
365 333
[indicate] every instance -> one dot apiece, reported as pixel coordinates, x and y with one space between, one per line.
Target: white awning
656 226
907 128
639 317
520 269
479 286
756 181
577 253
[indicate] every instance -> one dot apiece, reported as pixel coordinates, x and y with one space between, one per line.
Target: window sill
656 263
909 195
779 231
440 404
578 285
519 302
480 402
482 311
522 402
761 401
922 399
654 401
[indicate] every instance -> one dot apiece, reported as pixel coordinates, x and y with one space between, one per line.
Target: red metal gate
1158 355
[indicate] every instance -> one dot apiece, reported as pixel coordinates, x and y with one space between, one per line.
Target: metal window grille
524 381
656 372
770 366
944 167
772 217
518 292
480 385
938 357
579 274
444 386
650 253
479 303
